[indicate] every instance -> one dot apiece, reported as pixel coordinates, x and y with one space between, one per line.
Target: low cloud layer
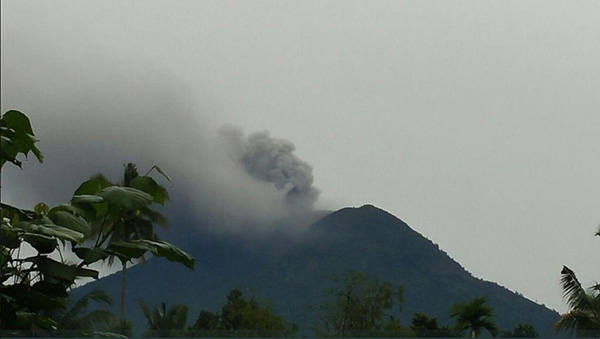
228 182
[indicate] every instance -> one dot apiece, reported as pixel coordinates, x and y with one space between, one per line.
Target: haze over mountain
292 271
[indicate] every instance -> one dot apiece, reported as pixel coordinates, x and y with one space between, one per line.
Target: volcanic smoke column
272 160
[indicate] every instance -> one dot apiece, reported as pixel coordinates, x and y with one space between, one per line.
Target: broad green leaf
23 143
9 211
20 134
90 255
90 206
16 121
87 199
8 152
170 252
59 232
92 186
51 288
137 248
42 243
127 250
147 184
68 208
58 270
69 221
126 197
9 236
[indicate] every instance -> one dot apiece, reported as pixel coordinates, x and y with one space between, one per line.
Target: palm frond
575 295
474 315
146 311
584 315
490 326
96 318
578 322
176 317
80 305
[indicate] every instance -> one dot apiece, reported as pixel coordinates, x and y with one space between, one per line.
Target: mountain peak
365 238
367 220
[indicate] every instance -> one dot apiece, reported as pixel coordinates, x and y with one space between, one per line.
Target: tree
521 331
134 220
583 317
358 306
241 317
34 288
74 322
474 316
163 322
208 324
425 326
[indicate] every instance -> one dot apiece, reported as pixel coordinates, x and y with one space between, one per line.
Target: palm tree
165 322
474 316
584 306
82 324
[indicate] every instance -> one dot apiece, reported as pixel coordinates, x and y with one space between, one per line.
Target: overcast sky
476 122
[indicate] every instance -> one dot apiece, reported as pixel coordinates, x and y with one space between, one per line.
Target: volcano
293 271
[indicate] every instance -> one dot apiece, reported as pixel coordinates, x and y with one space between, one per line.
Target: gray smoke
273 160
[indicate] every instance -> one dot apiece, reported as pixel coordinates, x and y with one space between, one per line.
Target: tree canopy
242 317
359 306
474 316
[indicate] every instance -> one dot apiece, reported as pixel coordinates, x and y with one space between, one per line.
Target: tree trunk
123 291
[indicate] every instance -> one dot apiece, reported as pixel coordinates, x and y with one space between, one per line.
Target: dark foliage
33 291
521 331
241 317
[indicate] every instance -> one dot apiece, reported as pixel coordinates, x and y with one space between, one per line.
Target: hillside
293 272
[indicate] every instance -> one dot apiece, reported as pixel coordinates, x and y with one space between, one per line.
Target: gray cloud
147 117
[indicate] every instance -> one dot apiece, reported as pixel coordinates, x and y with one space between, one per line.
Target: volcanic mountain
292 272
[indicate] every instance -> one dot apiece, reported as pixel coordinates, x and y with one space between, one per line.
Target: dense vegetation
105 221
102 221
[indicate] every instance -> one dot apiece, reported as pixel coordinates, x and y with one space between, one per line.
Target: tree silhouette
583 317
521 331
474 316
359 306
77 322
163 322
241 317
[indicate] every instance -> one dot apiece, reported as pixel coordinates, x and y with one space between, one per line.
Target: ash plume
273 160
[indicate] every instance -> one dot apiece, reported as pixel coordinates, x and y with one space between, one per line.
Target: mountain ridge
363 238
